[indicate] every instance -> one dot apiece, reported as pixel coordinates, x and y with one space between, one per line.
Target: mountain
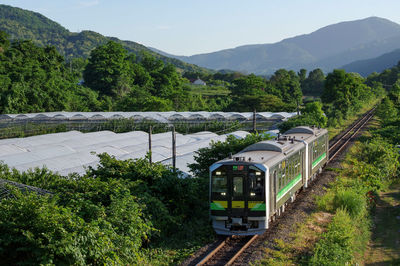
327 48
28 25
378 64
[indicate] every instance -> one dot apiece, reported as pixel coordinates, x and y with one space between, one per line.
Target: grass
333 131
384 248
299 250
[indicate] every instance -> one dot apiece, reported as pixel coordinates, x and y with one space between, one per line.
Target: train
251 188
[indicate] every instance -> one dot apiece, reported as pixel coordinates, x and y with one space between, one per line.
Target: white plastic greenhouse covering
162 117
73 151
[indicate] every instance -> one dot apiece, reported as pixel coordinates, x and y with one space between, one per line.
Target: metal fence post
173 149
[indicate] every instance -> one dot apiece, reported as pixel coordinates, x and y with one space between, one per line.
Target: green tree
260 103
314 83
346 92
109 70
286 85
386 111
248 85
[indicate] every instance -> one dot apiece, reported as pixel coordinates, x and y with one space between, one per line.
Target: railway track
338 144
229 249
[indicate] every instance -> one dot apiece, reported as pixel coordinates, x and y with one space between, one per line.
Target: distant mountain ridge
27 25
327 48
378 64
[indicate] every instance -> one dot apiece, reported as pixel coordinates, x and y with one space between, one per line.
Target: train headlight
218 173
223 193
258 173
252 194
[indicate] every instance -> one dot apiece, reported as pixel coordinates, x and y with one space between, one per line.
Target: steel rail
231 261
368 114
212 253
347 141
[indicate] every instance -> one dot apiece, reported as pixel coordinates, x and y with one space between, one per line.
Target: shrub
336 245
351 201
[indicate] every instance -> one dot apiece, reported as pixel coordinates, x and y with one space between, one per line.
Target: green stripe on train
319 159
288 187
216 207
258 207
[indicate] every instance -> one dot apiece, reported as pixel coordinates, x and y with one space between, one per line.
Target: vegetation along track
238 249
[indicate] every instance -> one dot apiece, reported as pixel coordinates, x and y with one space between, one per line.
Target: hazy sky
186 27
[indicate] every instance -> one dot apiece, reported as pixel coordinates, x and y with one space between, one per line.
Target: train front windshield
238 190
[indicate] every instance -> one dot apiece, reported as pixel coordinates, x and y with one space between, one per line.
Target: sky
187 27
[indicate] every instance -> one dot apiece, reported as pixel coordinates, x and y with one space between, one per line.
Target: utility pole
150 155
254 121
173 149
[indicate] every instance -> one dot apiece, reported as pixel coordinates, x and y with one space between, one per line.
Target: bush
336 246
351 201
36 230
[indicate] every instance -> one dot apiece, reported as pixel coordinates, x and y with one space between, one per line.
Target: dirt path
384 248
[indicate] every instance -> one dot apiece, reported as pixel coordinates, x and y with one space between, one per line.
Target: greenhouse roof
162 117
73 152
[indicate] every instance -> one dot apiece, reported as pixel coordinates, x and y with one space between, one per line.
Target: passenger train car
248 190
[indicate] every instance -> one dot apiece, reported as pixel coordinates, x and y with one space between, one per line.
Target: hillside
378 64
28 25
327 48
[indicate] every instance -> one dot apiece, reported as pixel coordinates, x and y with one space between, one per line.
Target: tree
302 75
314 83
286 85
109 70
345 92
312 115
386 111
248 85
261 103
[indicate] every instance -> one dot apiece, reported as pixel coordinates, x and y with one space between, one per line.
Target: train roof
271 152
307 134
267 152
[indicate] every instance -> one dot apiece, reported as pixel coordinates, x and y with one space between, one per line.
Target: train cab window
237 186
219 185
256 185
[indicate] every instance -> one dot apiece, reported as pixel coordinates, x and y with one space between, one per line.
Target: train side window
279 182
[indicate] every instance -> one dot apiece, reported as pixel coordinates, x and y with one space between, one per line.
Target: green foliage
336 245
286 85
249 85
344 92
38 230
351 201
386 110
312 115
260 103
108 70
116 210
35 79
314 83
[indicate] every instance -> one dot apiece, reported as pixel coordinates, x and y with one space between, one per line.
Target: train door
272 196
237 188
303 166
